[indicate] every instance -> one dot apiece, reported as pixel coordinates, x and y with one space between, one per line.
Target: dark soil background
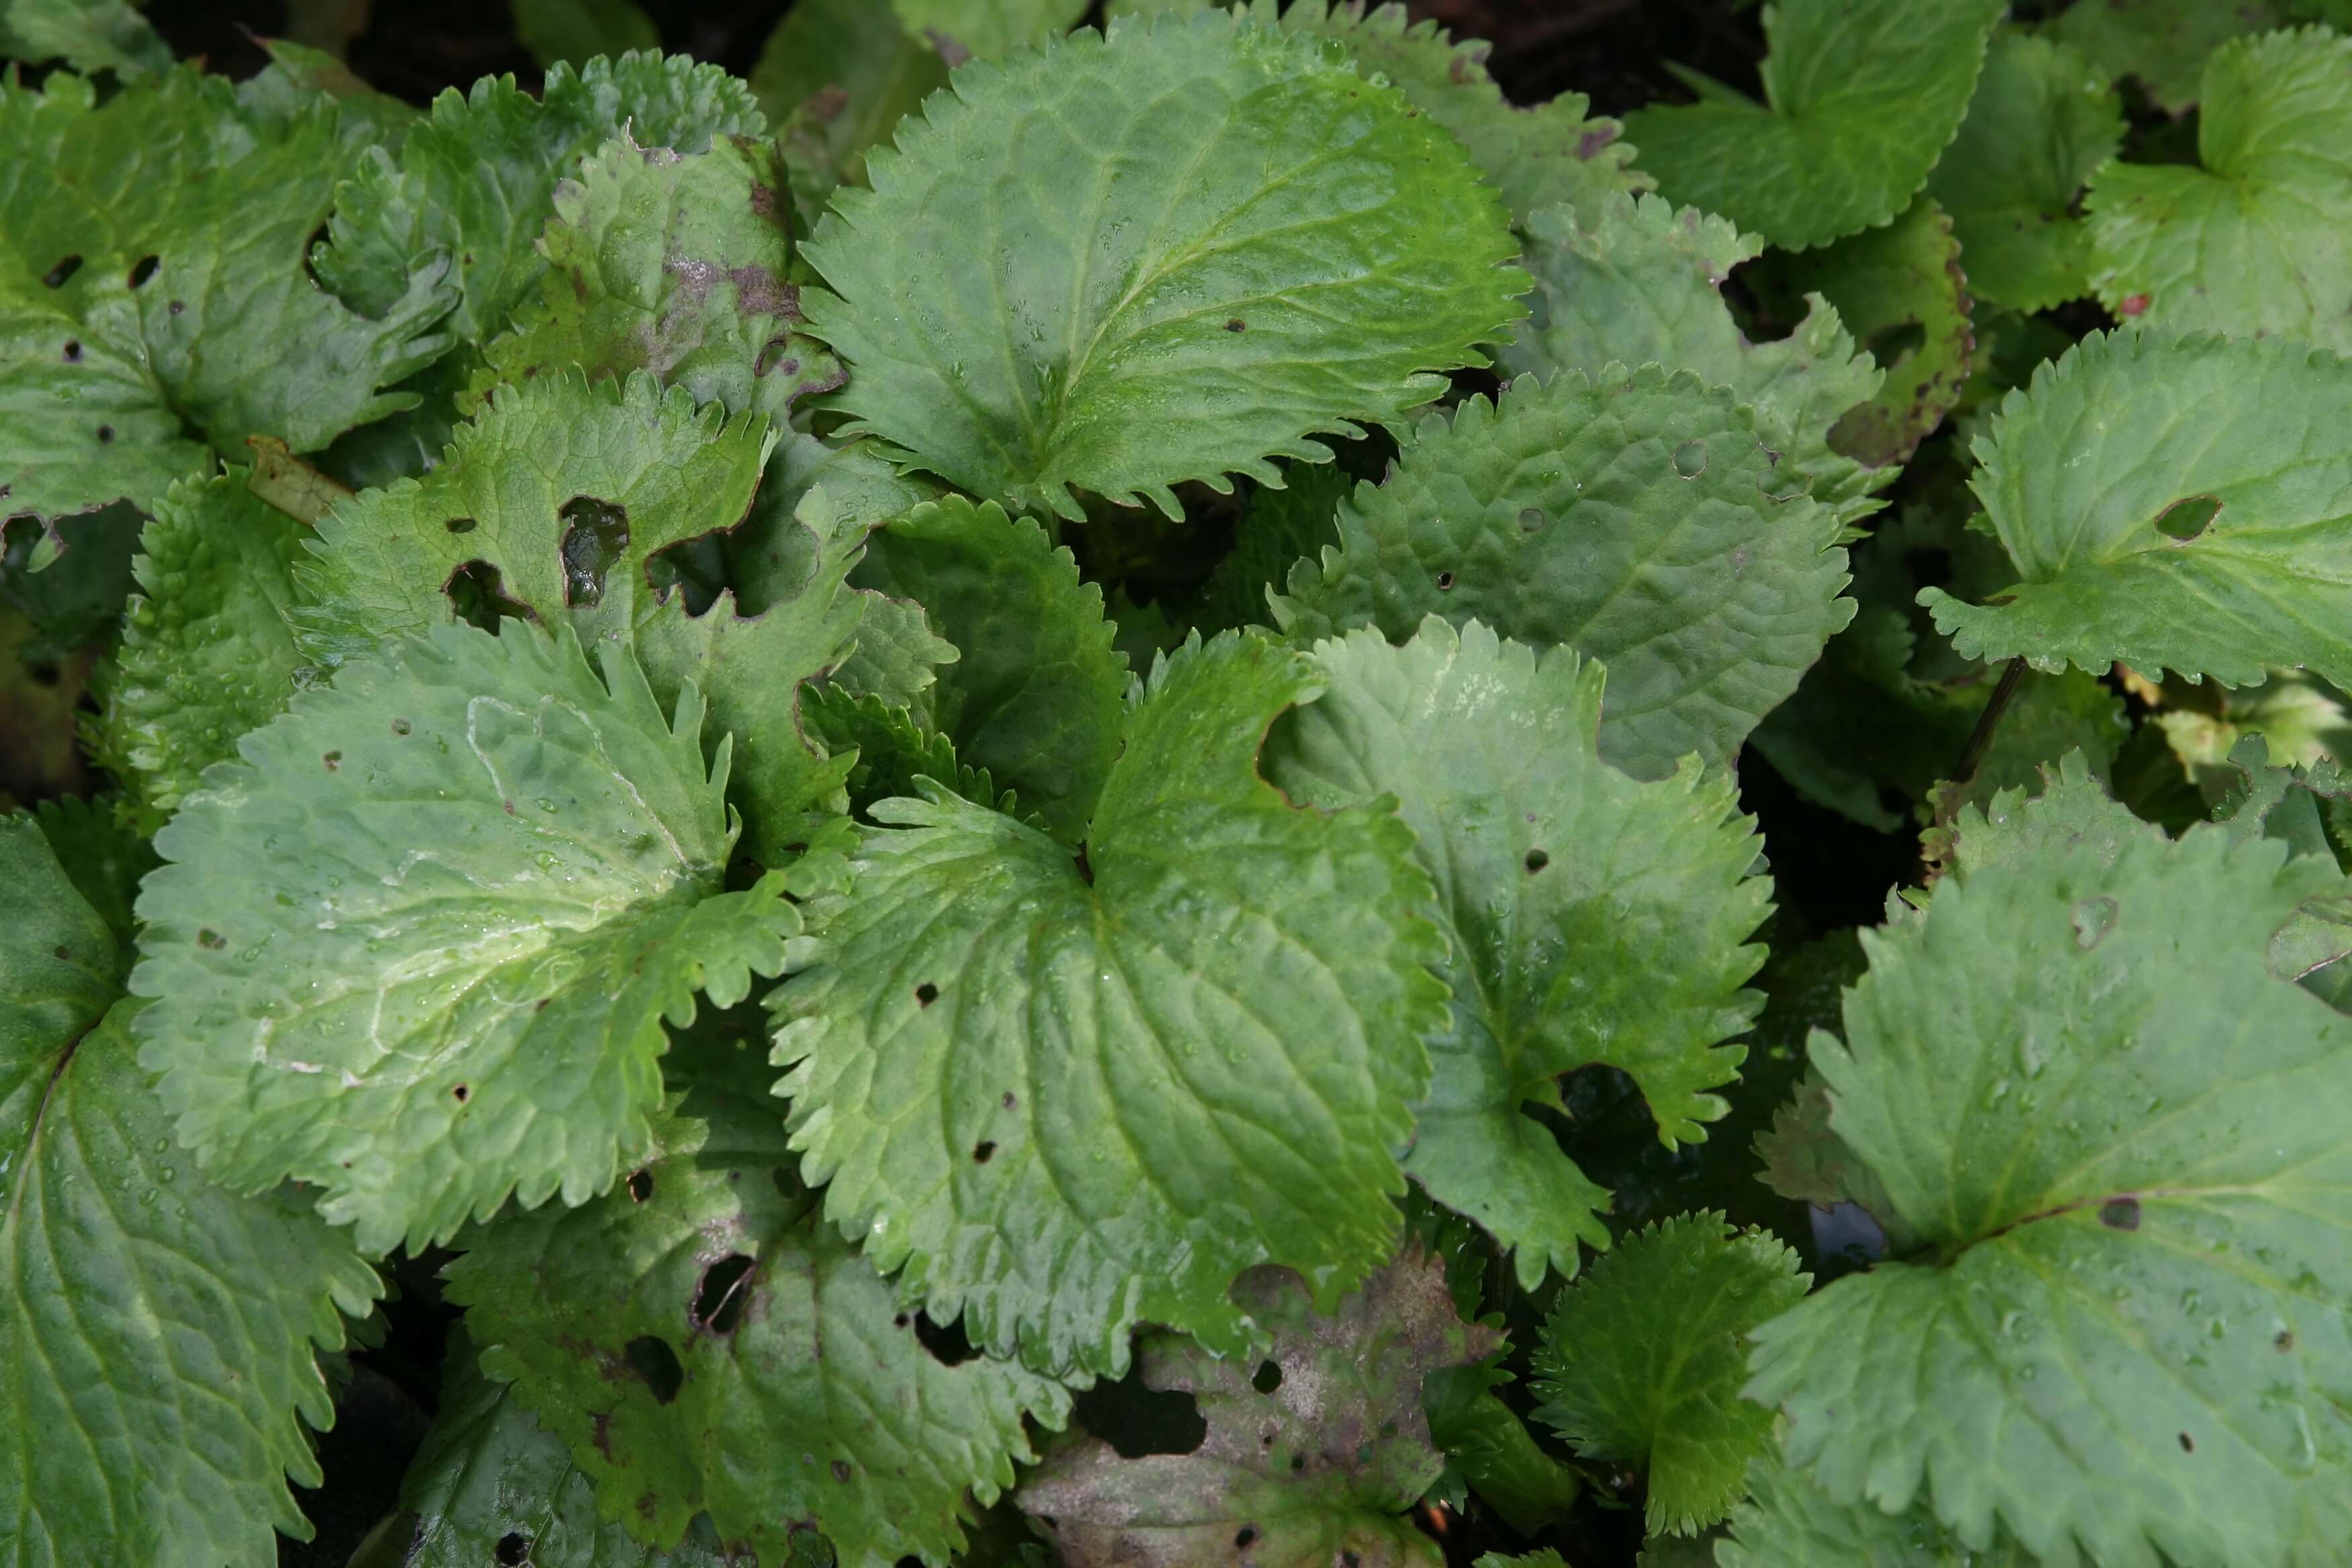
1612 50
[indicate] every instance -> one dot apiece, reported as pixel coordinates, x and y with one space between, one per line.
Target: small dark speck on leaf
461 1094
62 956
925 994
2285 1343
1537 860
73 352
2132 305
1445 581
982 1151
105 434
460 525
178 306
2188 1444
513 1548
57 276
334 761
1244 1536
211 939
840 1471
142 269
1236 324
2120 1214
1009 1100
654 1361
641 1185
400 726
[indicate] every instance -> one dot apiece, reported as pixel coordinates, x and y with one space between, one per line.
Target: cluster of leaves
963 781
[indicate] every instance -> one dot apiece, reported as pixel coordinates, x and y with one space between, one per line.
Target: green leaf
1787 1521
1151 187
151 249
417 947
789 1392
101 855
1642 1359
1639 520
1590 917
158 1334
2161 44
573 32
87 35
1535 156
1276 530
476 178
207 652
488 1471
2095 486
565 496
895 751
2251 243
2043 119
1064 1098
675 263
1310 1463
1488 1450
1639 281
963 30
1860 99
2126 1335
1036 698
837 76
1900 290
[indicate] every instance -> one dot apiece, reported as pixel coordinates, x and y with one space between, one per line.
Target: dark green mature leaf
837 76
1535 156
563 496
417 946
151 257
1310 1453
2252 242
1639 519
2043 119
1066 1098
157 1333
575 32
1787 1521
1639 281
489 1479
1036 697
675 263
1082 242
1642 1359
2128 1336
1860 99
207 652
88 35
1591 917
2163 44
2108 509
1276 530
476 179
790 1393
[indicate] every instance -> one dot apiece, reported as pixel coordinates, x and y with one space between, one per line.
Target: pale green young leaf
169 223
2043 119
2251 241
2083 476
1036 697
1861 97
675 263
1590 917
417 947
2163 44
1638 281
158 1332
1535 156
1309 1465
2126 1339
802 1395
565 494
573 32
1639 520
1787 1521
1074 244
487 1470
1066 1098
1642 1359
207 653
87 35
476 179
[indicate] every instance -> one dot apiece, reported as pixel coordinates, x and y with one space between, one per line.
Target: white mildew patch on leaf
207 653
1643 1361
1638 281
2250 241
2125 1335
417 947
1311 1452
1175 254
156 1331
2044 118
1639 520
1591 917
702 1341
555 507
476 179
1535 156
1060 1097
152 269
676 263
1861 97
2173 503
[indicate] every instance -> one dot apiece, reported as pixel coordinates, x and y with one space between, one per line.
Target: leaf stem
1973 755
